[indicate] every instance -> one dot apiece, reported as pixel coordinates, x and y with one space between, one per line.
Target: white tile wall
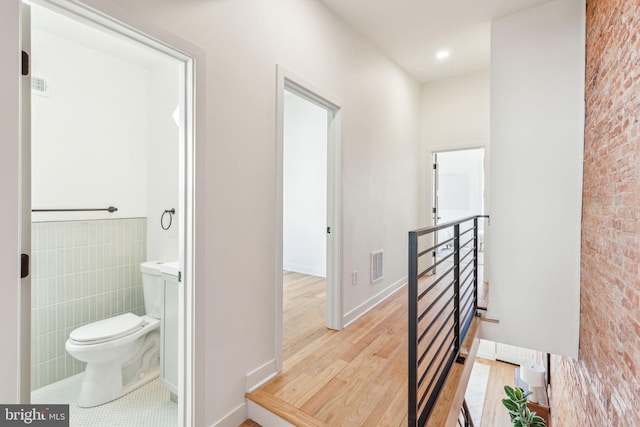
82 271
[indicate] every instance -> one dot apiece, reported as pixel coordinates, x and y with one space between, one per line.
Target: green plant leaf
519 413
510 405
538 421
518 392
510 392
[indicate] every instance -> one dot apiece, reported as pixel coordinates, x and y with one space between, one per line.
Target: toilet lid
107 329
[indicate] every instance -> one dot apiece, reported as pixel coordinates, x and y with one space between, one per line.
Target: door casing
25 208
285 79
108 17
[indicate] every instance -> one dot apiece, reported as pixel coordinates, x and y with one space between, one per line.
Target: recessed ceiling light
442 54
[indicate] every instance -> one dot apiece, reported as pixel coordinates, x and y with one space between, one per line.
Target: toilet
122 352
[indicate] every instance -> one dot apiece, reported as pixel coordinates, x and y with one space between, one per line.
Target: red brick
601 388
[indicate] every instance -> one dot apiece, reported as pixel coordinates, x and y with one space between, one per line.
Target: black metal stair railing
464 418
443 298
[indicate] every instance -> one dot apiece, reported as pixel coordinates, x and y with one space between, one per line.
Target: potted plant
521 415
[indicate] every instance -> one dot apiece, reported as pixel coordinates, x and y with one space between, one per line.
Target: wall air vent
39 86
376 266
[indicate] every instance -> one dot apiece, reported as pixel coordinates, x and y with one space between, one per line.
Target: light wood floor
355 377
303 308
494 414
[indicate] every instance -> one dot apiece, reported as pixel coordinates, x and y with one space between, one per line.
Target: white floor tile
148 406
476 390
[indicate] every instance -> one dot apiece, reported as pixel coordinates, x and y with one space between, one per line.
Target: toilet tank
152 287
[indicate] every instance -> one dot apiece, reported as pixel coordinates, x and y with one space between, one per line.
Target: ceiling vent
39 86
376 266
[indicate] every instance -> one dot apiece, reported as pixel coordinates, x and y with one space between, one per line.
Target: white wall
305 186
89 138
105 136
537 118
162 162
454 115
243 41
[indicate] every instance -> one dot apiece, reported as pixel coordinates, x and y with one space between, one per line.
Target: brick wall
603 387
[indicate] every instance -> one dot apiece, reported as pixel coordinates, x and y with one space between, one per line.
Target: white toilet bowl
122 352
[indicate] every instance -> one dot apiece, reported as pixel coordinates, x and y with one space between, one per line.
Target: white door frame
286 79
109 17
25 209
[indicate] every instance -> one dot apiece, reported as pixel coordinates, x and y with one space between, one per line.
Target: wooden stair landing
359 376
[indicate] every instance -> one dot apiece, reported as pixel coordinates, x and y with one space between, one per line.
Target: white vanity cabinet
169 327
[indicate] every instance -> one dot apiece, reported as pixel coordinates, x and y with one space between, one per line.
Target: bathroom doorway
110 145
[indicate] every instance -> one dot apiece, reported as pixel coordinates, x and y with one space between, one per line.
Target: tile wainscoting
82 271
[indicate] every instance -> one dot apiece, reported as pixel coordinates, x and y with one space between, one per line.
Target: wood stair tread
283 409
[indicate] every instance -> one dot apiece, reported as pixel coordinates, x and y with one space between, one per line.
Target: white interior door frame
285 79
25 208
109 17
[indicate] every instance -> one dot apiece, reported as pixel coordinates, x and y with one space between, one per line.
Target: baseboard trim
304 269
369 304
261 375
234 418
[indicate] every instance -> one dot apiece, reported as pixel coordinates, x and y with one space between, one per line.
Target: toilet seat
107 330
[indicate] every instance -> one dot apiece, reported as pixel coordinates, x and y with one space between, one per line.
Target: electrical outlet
354 278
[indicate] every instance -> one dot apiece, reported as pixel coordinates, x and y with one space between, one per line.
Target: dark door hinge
328 230
435 166
24 265
25 63
179 276
433 210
